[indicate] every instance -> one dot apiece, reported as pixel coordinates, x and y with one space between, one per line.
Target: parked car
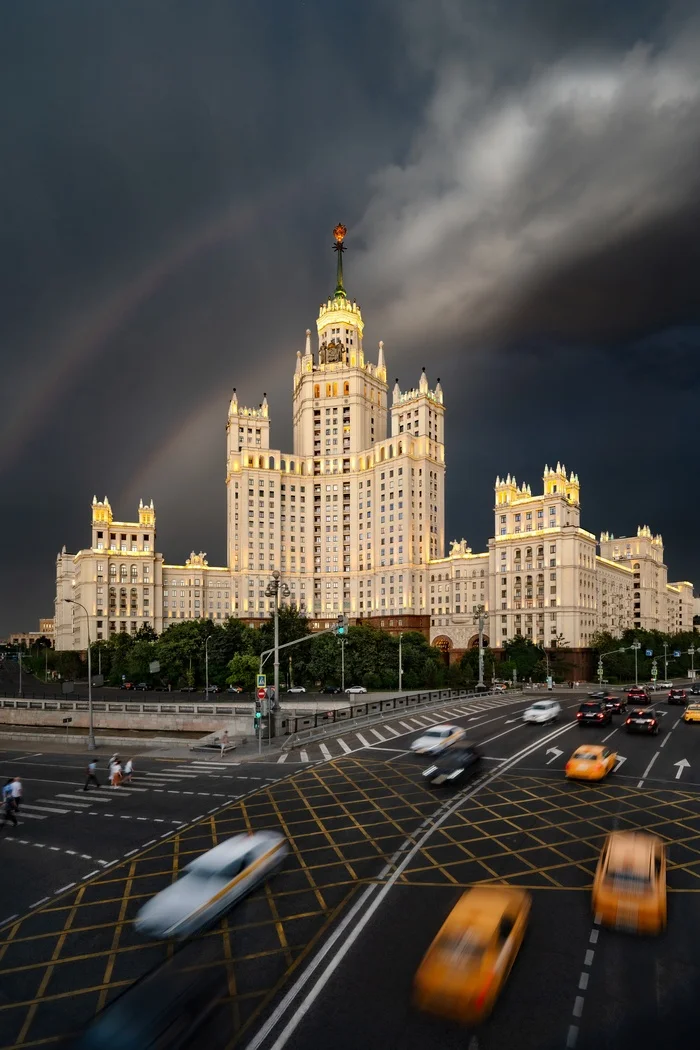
356 689
296 689
127 685
210 884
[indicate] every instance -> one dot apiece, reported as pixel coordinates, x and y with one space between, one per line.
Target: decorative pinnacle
339 235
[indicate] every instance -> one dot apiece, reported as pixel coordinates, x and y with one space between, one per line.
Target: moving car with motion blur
591 762
692 712
615 704
211 884
460 762
642 720
593 713
637 695
437 739
695 689
629 889
468 963
677 696
542 712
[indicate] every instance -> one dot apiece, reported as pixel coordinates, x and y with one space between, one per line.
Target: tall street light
274 589
91 729
479 619
400 662
636 646
206 663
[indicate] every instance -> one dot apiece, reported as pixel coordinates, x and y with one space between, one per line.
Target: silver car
542 712
211 884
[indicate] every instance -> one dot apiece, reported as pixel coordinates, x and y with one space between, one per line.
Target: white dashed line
578 1006
583 982
68 886
590 955
89 875
572 1036
37 903
594 937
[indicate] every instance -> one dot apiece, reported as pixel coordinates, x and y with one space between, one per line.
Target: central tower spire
339 234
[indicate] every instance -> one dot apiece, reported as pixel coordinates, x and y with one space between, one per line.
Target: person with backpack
91 774
8 805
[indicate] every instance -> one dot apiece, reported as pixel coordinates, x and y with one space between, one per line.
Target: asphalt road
326 952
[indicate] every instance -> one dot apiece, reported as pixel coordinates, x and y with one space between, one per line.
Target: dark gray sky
521 185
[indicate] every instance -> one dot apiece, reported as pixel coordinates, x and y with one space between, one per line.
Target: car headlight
453 776
429 772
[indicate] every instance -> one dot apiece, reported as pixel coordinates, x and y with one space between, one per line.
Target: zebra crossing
387 732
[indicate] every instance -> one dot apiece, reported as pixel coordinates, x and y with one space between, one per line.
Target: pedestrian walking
8 810
7 790
16 793
224 742
91 774
115 773
129 769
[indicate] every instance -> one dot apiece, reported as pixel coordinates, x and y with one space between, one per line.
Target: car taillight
480 999
652 722
627 722
580 714
599 715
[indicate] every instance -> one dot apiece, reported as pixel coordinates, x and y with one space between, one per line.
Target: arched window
272 462
540 552
134 574
528 554
112 596
291 465
122 572
517 555
113 572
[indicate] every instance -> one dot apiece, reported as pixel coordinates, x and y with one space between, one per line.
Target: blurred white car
356 689
296 689
211 884
436 739
542 711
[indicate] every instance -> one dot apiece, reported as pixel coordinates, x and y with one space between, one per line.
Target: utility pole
691 654
206 664
400 661
19 658
273 590
479 618
636 646
91 728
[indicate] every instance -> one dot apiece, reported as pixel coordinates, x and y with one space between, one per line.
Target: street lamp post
636 646
19 658
206 663
691 654
400 661
479 618
273 590
91 727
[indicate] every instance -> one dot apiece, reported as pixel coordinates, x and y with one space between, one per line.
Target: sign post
67 722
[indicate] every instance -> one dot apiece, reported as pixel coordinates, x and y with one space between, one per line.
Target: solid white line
346 748
283 757
363 740
324 751
365 907
646 771
496 737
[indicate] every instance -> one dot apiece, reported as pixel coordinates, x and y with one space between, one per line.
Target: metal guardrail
27 704
424 701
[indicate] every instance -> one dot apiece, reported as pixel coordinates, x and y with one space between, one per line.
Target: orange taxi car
629 889
591 762
467 964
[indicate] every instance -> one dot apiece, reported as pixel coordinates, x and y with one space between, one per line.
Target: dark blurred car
187 689
695 689
127 685
616 704
213 689
593 713
677 696
143 686
459 762
637 695
165 1010
331 690
642 720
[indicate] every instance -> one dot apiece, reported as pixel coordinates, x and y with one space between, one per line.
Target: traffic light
342 627
257 717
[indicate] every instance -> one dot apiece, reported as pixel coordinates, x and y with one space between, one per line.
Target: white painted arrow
555 752
618 762
683 764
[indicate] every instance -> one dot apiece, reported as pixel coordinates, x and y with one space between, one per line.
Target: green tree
526 657
242 670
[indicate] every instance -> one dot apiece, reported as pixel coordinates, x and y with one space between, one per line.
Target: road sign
648 652
262 681
261 694
676 653
154 666
66 721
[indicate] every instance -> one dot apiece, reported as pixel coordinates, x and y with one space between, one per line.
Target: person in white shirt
129 769
17 793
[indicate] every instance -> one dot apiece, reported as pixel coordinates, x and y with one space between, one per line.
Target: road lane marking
283 757
583 982
346 747
42 809
646 771
303 755
363 740
379 736
590 954
324 751
578 1006
611 734
362 911
594 937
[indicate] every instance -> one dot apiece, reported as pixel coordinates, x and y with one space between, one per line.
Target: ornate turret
423 383
101 511
339 234
506 490
147 514
233 405
381 365
396 396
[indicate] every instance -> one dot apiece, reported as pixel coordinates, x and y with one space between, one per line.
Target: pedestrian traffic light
342 627
257 717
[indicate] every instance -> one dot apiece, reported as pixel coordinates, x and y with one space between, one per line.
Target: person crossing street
7 808
91 774
129 770
16 793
